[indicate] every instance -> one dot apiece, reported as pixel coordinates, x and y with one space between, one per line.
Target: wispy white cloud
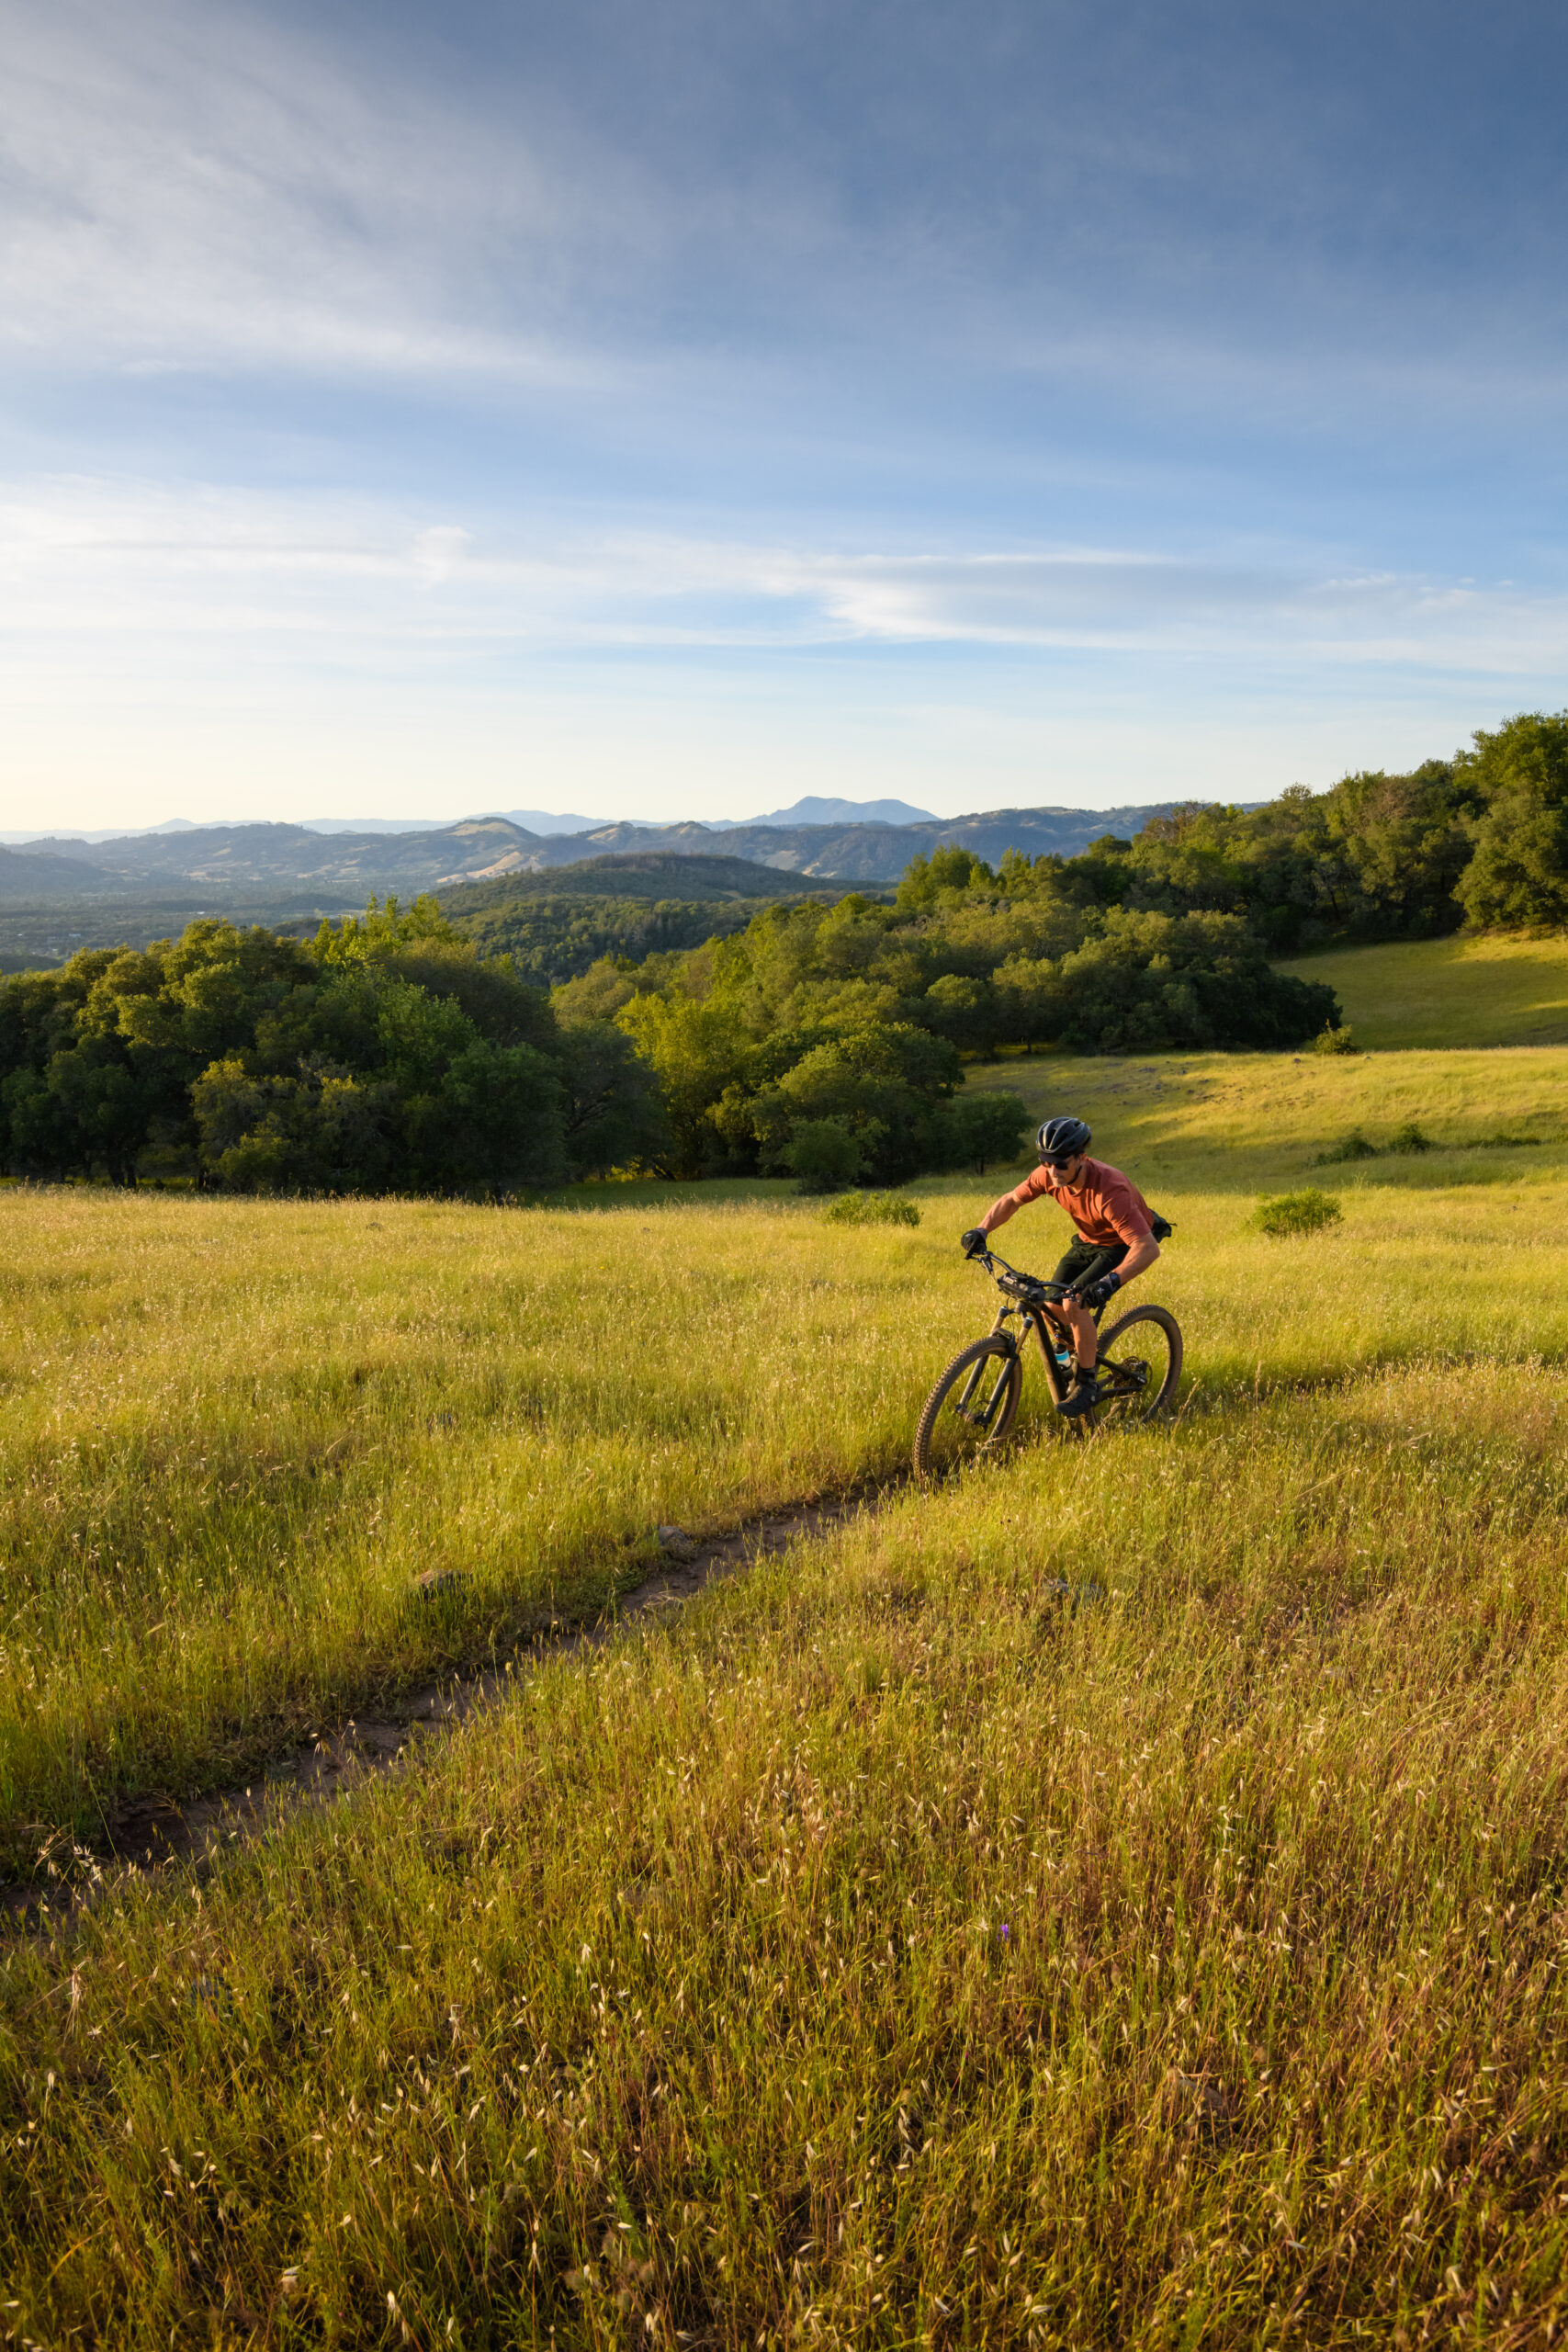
210 184
200 185
93 560
1105 598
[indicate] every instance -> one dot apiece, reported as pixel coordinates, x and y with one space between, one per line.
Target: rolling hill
867 853
254 863
554 925
1483 990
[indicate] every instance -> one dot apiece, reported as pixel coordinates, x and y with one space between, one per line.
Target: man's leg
1083 1263
1077 1323
1086 1338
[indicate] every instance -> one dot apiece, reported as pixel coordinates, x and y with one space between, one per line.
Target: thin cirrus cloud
1025 366
208 188
217 565
190 187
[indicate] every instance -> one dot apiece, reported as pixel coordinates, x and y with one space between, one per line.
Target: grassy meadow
1484 990
234 1438
1119 1897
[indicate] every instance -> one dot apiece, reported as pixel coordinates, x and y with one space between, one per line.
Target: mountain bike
970 1412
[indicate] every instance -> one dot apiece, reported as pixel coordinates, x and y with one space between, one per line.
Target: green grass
1116 1899
232 1436
1448 992
900 1949
1240 1123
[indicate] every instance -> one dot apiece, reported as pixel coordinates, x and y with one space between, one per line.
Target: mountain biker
1115 1237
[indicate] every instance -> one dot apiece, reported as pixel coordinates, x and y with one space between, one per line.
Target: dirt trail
150 1833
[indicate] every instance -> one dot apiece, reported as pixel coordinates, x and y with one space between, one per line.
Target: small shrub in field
1283 1214
1409 1137
872 1208
1335 1041
1351 1146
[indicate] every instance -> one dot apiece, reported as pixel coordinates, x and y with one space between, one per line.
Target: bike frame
1032 1303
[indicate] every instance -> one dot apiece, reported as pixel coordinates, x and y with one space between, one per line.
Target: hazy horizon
546 823
408 414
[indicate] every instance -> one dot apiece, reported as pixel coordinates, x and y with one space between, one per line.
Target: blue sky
676 410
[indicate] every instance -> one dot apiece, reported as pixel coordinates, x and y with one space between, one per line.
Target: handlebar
1029 1288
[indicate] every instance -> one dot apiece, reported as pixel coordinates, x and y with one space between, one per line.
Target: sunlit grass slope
234 1436
1486 991
1119 1900
1232 1122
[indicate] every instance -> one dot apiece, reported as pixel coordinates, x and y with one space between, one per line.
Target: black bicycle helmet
1063 1138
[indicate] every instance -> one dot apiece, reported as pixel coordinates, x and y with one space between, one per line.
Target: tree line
382 1056
1479 839
825 1041
829 1042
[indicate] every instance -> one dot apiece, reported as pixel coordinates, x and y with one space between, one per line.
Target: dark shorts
1087 1260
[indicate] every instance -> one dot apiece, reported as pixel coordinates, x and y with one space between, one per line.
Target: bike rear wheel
970 1412
1140 1363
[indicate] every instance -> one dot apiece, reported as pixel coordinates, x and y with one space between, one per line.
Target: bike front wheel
970 1411
1140 1363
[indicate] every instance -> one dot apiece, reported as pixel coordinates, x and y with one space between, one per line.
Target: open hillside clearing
1492 989
1233 1124
153 1831
1118 1898
243 1442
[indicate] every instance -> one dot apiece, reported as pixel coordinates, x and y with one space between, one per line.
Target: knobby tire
946 1435
1119 1349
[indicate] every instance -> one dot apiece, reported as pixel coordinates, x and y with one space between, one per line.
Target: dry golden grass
234 1435
1118 1898
1229 1123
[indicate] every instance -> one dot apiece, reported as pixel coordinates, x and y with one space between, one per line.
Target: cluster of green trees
382 1056
830 1041
551 939
1482 837
825 1041
1518 876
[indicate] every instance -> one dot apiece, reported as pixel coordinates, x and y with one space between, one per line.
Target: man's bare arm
999 1213
1138 1261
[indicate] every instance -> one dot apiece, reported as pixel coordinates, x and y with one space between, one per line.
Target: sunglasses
1068 1162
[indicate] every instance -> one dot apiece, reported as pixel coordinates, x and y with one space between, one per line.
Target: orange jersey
1106 1207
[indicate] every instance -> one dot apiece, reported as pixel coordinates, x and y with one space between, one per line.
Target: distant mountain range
227 865
544 823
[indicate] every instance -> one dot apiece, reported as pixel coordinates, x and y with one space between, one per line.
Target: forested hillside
554 925
824 1041
824 1038
1482 837
830 1041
